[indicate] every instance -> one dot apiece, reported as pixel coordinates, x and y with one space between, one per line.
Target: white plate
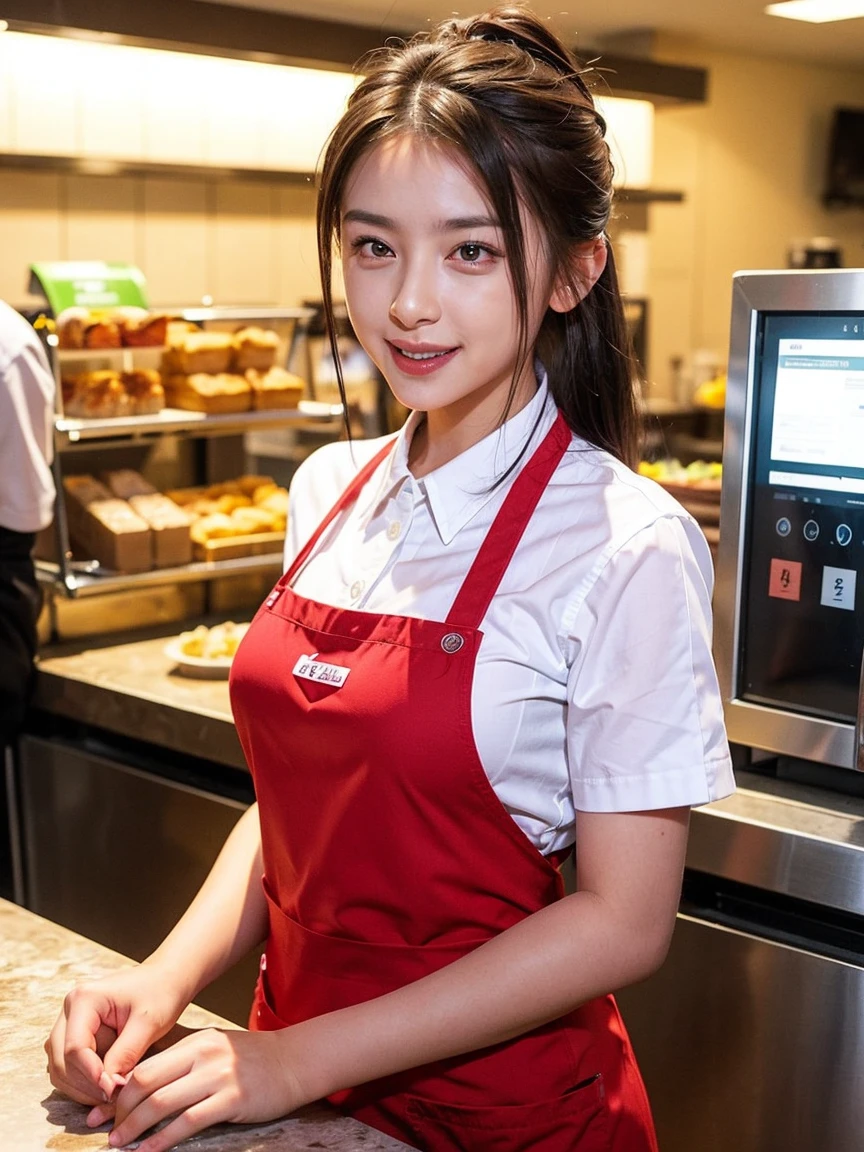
216 668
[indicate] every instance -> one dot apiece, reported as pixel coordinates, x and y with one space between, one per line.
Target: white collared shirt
26 426
594 688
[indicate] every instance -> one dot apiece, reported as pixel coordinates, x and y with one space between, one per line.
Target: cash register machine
789 598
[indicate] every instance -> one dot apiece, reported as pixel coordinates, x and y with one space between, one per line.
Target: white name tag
310 668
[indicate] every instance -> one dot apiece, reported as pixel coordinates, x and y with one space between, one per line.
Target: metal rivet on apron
452 642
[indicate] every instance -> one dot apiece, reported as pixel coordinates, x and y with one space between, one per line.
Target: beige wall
241 243
751 165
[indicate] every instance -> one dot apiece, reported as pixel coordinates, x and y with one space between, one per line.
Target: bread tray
231 547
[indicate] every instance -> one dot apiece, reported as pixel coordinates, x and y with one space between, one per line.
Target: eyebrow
455 224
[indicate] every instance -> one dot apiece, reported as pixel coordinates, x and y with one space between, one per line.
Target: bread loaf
142 329
193 352
276 388
145 391
126 482
70 325
102 332
95 395
172 543
255 348
203 392
107 528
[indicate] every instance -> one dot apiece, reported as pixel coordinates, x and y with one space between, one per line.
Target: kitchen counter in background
133 689
39 964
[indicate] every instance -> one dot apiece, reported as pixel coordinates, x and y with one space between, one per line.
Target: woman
491 642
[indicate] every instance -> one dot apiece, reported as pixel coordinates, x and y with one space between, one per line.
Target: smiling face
428 287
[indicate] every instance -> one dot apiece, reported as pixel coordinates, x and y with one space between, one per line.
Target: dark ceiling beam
283 38
193 26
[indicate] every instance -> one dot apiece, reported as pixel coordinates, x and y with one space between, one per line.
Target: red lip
411 367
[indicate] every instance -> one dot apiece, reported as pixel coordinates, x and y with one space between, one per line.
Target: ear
584 269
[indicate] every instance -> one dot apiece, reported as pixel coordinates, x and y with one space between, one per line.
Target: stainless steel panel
782 846
117 854
748 1046
786 733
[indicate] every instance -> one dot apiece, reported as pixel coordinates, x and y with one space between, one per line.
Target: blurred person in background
26 505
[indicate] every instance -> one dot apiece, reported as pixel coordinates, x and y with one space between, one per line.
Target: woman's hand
105 1028
206 1078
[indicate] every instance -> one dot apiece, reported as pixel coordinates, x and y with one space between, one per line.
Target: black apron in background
20 602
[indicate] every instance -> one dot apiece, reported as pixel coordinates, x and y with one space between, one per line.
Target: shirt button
356 589
394 529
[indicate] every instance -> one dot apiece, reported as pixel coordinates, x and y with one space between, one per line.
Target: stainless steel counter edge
786 839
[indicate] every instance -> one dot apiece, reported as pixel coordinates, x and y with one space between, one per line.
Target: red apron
387 854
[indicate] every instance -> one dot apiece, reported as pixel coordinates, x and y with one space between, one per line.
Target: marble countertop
39 963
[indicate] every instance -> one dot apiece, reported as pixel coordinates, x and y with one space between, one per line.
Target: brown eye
471 253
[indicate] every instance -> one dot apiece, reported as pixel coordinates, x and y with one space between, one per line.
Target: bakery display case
155 483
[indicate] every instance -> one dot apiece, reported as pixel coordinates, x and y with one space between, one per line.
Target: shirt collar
460 488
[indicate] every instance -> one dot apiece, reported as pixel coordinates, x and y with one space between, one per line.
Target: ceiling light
818 11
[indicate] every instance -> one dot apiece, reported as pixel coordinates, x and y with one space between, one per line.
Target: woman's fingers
169 1084
101 1114
74 1065
133 1040
194 1119
209 1077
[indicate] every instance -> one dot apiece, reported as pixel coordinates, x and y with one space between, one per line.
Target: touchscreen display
803 591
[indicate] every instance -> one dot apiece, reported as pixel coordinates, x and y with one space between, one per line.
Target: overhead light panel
818 11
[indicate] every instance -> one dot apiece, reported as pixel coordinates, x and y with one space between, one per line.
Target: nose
416 301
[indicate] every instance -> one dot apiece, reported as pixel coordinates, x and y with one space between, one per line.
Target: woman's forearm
227 917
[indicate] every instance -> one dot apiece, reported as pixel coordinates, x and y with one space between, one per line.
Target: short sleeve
26 435
644 713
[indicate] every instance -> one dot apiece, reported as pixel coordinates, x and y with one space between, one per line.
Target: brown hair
505 92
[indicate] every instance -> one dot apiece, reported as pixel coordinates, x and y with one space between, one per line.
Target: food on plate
255 348
203 392
276 388
216 643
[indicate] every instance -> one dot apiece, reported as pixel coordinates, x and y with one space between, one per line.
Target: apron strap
480 585
345 500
